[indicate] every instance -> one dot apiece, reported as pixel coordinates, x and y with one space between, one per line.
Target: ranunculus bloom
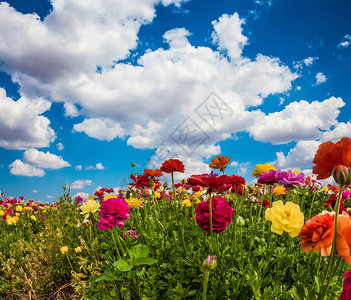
220 162
332 201
318 233
152 173
343 241
329 155
346 291
215 182
290 179
89 207
279 190
113 212
286 217
222 214
132 233
134 202
172 165
265 203
64 249
259 169
268 178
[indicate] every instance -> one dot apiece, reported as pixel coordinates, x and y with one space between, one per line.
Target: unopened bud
151 182
210 263
240 221
133 164
341 175
165 185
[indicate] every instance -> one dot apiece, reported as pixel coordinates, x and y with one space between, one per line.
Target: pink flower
268 178
132 233
222 214
346 291
290 179
113 212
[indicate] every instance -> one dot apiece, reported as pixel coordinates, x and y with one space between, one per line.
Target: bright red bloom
142 181
329 155
318 233
265 203
332 201
113 212
346 291
152 173
222 215
196 180
172 165
99 193
215 182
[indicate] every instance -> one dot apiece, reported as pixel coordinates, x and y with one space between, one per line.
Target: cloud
101 129
50 197
20 168
345 41
35 191
82 194
309 61
60 146
228 35
320 78
44 160
21 123
297 121
78 167
79 184
98 166
71 110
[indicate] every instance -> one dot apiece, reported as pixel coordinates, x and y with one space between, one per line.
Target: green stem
330 270
314 196
113 232
204 291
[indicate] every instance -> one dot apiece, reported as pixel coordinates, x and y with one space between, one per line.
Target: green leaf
138 251
122 265
144 261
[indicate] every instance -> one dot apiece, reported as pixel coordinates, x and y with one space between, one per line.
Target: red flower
113 212
332 201
172 165
346 291
318 233
215 182
196 180
142 181
152 173
222 215
329 155
265 203
99 193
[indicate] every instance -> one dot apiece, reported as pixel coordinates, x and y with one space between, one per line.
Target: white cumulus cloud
20 168
44 160
320 78
80 184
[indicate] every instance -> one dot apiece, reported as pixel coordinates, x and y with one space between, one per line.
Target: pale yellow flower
265 168
134 202
78 249
34 218
19 208
286 217
64 249
27 208
89 207
279 190
1 213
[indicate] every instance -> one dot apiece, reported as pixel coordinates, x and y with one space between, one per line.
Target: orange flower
152 173
343 241
318 233
220 162
329 155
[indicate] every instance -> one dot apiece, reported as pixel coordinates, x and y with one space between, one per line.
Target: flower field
210 236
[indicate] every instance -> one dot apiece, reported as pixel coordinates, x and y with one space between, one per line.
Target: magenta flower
222 215
268 178
290 179
113 212
132 233
79 199
346 291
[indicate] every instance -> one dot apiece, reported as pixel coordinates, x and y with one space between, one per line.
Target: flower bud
342 175
240 221
133 164
151 182
165 185
210 263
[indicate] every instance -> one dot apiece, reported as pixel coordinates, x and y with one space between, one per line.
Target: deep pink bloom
9 211
222 214
132 233
346 291
113 212
268 178
22 197
79 199
290 179
14 201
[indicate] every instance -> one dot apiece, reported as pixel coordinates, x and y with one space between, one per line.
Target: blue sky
87 87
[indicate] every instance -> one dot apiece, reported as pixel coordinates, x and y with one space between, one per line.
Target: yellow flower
262 169
1 213
296 172
109 196
198 194
279 190
64 249
89 207
186 203
11 220
157 195
33 217
17 214
78 249
134 202
286 217
18 208
325 189
27 208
